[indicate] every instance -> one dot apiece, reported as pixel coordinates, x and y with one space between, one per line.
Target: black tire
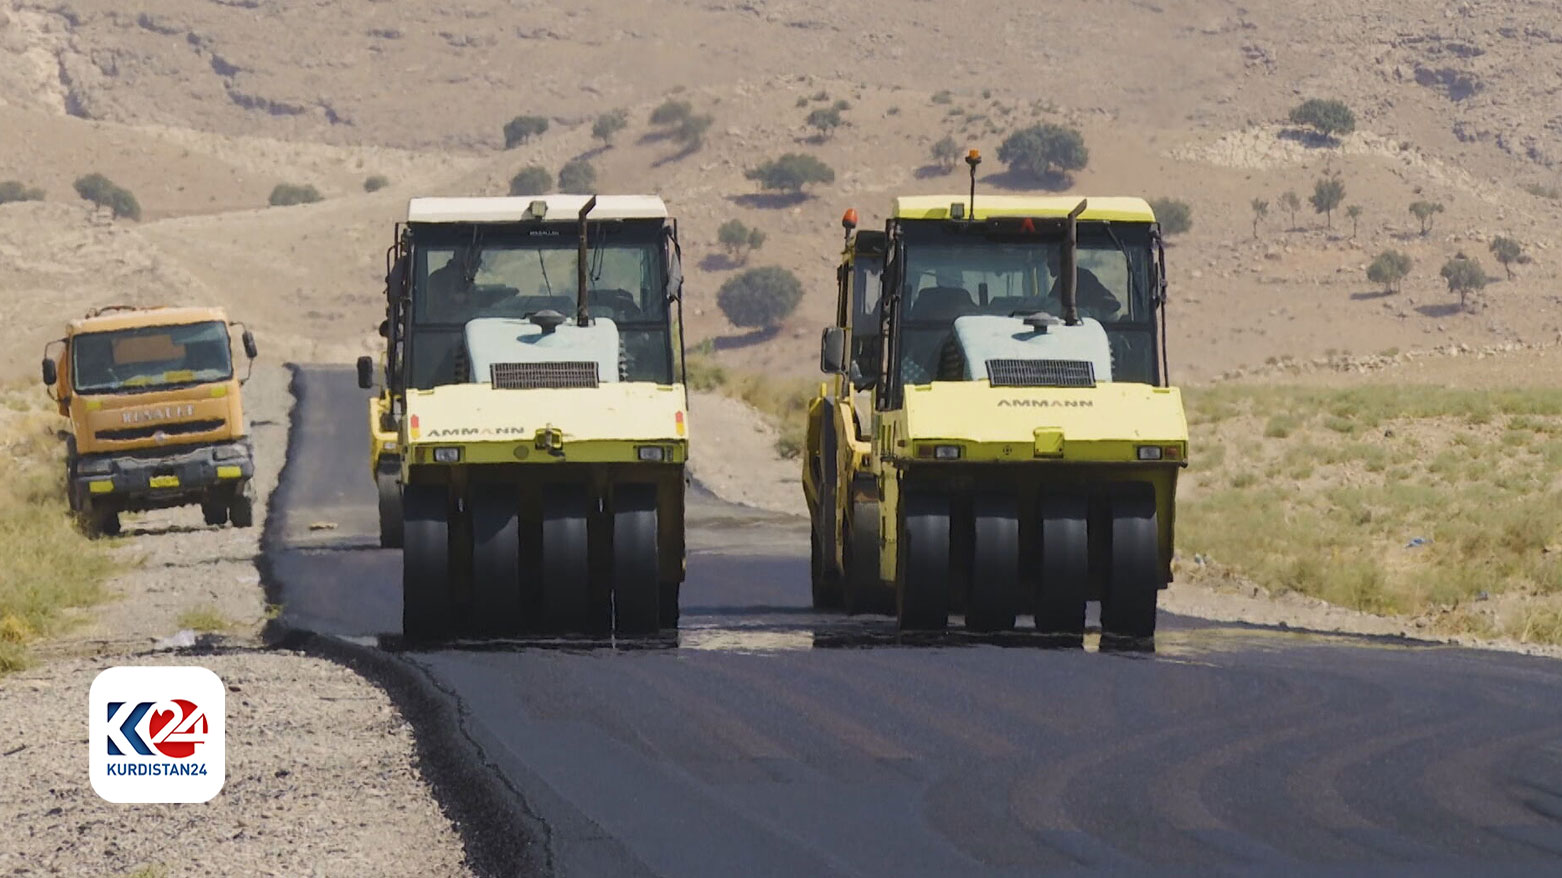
241 506
636 587
667 608
1064 584
995 564
566 568
824 584
922 574
214 510
496 559
1133 583
102 521
425 564
392 528
863 591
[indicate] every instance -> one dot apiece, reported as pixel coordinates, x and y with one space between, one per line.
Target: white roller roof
561 208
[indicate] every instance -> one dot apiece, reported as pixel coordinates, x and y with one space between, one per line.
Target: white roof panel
561 208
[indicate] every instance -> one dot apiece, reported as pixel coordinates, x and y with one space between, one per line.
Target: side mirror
51 373
249 345
384 329
365 372
832 351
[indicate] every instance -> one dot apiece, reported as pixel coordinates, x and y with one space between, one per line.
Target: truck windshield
461 280
949 275
150 358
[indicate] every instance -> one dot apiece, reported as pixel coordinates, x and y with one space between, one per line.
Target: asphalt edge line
500 836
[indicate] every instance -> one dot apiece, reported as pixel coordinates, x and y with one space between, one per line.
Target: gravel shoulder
322 773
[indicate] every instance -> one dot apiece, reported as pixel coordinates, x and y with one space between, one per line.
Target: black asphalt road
766 739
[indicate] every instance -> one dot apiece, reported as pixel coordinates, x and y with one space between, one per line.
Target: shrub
1260 210
1507 251
760 297
577 177
609 124
1424 211
945 153
1388 269
13 190
1354 212
1464 276
289 194
1328 192
791 172
522 129
671 112
531 181
826 119
1045 150
104 192
1327 117
1291 203
943 97
375 183
841 105
739 240
1175 216
690 132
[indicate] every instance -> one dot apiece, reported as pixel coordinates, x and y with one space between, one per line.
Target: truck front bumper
135 482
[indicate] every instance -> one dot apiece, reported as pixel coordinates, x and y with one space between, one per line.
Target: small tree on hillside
1354 212
1260 211
825 120
1290 203
577 177
1464 276
522 129
14 190
1044 151
671 112
1388 269
1424 211
1507 251
1328 192
1174 216
289 194
375 182
739 240
608 125
945 153
1328 117
104 192
791 172
759 298
531 181
690 132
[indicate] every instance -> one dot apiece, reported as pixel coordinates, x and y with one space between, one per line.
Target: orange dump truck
156 414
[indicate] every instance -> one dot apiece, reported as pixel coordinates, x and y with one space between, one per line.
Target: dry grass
783 400
1408 500
50 566
206 619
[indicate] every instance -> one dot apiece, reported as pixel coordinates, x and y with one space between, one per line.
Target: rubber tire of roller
636 566
496 559
1064 584
566 562
1128 607
425 564
995 564
922 574
392 530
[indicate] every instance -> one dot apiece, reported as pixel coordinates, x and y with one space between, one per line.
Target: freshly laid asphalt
767 739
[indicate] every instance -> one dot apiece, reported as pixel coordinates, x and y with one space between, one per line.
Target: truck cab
156 414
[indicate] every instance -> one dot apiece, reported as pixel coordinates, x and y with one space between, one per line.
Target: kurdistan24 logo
157 734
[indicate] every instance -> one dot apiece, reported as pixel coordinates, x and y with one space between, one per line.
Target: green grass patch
50 566
1471 477
206 619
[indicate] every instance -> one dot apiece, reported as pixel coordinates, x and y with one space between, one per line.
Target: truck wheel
566 569
102 521
824 585
241 508
425 564
922 574
496 558
636 591
1128 607
995 564
214 510
1065 566
391 527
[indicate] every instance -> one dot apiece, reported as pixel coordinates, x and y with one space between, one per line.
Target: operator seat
928 329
